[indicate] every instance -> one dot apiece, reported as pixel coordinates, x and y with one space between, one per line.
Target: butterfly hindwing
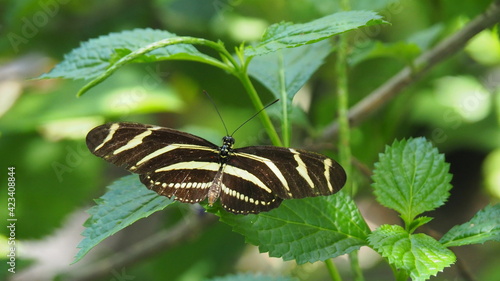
185 185
243 192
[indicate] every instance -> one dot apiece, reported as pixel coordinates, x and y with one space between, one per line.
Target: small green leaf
418 254
252 277
297 65
126 201
418 222
94 56
484 226
289 35
306 230
411 177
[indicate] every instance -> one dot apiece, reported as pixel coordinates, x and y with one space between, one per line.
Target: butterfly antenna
216 109
255 115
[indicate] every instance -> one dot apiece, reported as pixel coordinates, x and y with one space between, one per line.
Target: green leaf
484 226
411 177
324 6
126 201
252 277
289 35
418 254
306 230
286 71
418 222
403 51
94 56
293 66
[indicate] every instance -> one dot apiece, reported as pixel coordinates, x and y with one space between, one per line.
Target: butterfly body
190 169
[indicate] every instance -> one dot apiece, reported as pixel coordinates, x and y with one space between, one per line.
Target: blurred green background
43 124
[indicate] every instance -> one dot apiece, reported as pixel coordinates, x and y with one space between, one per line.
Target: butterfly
189 168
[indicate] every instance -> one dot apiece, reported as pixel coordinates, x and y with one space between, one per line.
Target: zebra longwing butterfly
189 168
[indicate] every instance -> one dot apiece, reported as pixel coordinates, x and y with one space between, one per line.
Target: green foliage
483 227
305 230
95 58
56 165
287 70
411 177
406 52
125 202
418 254
418 222
96 55
248 277
113 54
289 35
284 72
124 94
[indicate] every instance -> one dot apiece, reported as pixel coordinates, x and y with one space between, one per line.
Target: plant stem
234 67
343 108
400 275
344 129
355 267
332 270
257 103
285 127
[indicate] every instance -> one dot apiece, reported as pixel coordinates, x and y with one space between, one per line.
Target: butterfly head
228 141
227 146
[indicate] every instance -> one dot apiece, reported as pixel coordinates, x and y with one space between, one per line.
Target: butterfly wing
188 182
291 173
243 192
170 162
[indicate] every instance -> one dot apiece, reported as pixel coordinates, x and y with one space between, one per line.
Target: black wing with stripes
147 149
126 144
292 173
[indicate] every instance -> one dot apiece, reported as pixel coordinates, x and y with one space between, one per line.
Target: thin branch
446 48
185 230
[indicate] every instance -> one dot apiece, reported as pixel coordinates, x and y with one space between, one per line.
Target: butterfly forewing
249 180
142 148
